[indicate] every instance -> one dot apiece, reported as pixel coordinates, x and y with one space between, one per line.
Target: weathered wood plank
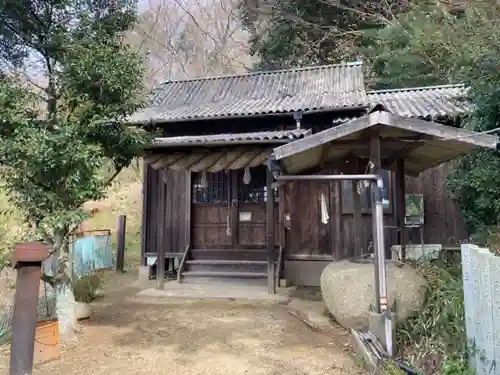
145 212
160 249
271 282
357 228
400 206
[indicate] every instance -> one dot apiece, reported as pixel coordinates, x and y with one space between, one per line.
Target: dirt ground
126 335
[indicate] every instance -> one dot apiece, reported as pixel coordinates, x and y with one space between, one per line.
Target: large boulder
348 290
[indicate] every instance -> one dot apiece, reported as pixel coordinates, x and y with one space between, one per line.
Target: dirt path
130 336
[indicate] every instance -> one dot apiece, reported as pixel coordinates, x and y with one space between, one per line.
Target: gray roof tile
282 91
422 102
206 140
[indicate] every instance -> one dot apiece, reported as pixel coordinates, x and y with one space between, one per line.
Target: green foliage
59 131
455 366
291 33
474 182
431 45
435 338
85 288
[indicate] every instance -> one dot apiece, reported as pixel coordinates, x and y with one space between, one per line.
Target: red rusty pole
28 257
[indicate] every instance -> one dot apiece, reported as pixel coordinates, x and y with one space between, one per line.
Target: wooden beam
400 206
271 281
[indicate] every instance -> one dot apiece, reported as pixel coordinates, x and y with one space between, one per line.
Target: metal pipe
379 245
369 177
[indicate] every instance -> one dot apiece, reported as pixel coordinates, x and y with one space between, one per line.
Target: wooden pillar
29 257
160 245
271 283
281 228
356 222
234 208
400 206
146 213
121 225
356 216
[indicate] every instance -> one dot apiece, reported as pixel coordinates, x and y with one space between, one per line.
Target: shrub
435 339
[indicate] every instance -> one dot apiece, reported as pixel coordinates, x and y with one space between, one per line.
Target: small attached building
206 181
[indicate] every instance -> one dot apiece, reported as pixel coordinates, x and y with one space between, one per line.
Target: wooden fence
481 277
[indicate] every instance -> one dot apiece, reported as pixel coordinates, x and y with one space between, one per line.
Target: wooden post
234 207
29 257
160 243
271 282
336 222
400 206
356 222
146 214
120 242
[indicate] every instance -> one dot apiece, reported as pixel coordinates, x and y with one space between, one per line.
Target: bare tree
191 38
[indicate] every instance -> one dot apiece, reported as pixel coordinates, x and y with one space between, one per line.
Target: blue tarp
89 253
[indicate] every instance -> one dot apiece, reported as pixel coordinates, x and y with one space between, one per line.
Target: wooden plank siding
205 225
168 211
309 238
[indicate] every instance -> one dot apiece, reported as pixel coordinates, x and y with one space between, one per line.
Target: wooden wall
443 223
169 217
309 238
167 210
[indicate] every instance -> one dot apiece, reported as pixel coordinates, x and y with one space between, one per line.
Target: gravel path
130 336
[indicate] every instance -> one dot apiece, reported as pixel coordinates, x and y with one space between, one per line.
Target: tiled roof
206 140
282 91
422 102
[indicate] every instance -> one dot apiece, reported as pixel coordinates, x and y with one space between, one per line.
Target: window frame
366 196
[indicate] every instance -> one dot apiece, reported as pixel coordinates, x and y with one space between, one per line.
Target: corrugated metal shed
232 138
422 102
282 91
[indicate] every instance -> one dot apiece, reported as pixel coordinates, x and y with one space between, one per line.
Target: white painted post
470 318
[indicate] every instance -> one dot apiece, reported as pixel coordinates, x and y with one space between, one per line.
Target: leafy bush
435 338
85 288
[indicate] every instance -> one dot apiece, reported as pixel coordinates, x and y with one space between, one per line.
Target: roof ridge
265 72
420 88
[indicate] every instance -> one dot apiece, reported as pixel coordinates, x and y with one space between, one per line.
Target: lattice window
366 198
256 190
215 188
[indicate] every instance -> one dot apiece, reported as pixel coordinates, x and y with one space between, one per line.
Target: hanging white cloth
324 209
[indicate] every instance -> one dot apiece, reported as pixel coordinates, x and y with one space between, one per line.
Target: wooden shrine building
211 202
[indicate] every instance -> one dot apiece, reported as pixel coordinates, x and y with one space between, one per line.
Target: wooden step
229 254
235 262
223 274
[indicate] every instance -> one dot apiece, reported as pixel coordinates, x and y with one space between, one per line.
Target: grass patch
435 340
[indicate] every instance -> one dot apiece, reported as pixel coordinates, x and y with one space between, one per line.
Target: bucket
47 342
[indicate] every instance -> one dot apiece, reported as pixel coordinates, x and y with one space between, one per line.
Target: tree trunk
65 310
64 296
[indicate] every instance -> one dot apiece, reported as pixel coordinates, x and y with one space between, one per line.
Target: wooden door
308 235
